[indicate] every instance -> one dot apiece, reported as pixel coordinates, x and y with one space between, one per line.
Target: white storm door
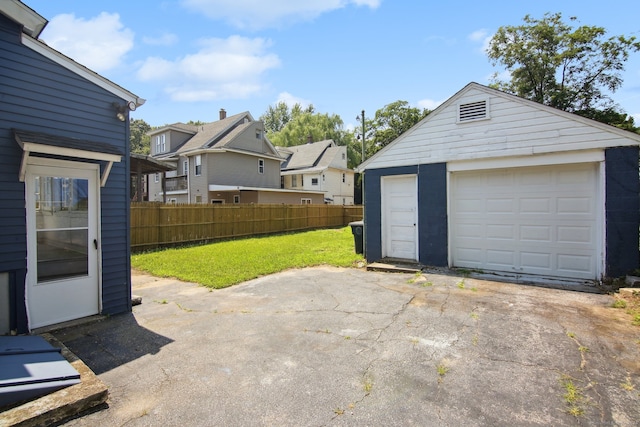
400 217
62 242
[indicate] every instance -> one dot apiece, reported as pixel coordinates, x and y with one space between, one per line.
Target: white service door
62 244
399 217
535 220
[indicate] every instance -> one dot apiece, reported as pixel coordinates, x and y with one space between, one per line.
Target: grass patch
630 302
227 263
573 397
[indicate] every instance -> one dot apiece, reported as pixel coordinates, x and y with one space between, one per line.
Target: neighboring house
318 166
494 182
64 182
226 161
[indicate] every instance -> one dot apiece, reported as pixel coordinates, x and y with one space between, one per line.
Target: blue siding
622 208
432 208
432 211
42 96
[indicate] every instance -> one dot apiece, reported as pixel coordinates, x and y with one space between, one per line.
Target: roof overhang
143 164
83 150
215 187
32 23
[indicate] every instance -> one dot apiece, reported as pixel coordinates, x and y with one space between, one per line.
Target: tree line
559 64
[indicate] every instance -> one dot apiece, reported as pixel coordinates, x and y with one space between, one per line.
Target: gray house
493 182
64 182
226 161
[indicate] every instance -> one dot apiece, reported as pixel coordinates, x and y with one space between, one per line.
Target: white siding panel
515 128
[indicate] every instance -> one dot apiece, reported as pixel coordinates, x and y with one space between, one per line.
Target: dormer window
161 145
258 133
472 111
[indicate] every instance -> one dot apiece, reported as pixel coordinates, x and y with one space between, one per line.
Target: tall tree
553 63
389 123
140 141
276 117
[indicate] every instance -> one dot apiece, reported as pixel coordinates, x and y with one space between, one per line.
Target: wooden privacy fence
155 225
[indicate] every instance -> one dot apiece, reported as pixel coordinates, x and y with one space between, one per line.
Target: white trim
80 70
32 22
587 156
601 266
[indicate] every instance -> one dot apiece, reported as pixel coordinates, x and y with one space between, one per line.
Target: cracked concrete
336 347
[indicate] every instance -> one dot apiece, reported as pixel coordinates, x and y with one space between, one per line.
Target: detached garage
496 183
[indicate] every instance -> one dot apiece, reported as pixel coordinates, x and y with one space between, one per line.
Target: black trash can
357 228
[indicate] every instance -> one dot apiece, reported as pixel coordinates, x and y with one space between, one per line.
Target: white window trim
261 166
197 165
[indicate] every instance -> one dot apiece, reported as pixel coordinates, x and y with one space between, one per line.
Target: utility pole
363 137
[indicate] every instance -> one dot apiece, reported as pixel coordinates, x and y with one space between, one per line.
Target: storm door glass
62 227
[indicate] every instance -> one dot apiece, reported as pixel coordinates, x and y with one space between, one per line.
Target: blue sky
189 58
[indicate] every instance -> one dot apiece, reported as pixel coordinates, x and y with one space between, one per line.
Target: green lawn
227 263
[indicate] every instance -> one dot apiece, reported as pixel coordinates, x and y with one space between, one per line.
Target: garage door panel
502 205
533 220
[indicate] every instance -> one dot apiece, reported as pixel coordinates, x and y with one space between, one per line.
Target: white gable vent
473 111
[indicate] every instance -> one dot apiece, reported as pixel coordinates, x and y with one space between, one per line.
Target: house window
258 134
198 198
185 167
473 111
294 180
344 177
173 201
302 180
156 177
281 181
305 201
261 166
344 156
236 198
198 161
161 146
217 201
314 181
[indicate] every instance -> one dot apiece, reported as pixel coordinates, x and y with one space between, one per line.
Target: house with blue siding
495 183
64 182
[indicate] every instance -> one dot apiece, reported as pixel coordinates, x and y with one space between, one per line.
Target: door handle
95 243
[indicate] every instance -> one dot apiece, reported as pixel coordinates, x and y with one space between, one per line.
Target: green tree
276 117
389 123
553 63
139 140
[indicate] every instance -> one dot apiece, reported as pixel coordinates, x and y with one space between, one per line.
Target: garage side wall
432 212
622 207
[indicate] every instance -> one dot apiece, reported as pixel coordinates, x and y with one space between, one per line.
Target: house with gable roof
319 166
226 161
64 182
496 183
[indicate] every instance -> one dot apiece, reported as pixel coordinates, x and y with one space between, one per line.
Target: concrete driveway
336 347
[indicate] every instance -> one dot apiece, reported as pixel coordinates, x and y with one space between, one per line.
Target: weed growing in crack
619 303
475 339
368 385
188 310
460 284
442 370
162 301
474 315
573 396
627 385
426 284
571 334
338 411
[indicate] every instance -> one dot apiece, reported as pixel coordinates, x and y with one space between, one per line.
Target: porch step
394 267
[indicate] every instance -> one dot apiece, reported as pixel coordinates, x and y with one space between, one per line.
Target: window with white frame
185 167
198 161
258 133
305 201
260 166
236 198
314 181
344 177
294 180
156 177
198 198
161 145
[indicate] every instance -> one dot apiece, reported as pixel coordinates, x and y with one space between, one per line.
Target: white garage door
533 220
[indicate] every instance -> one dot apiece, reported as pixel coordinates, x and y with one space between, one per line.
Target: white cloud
221 69
166 39
259 14
481 36
429 104
99 43
291 100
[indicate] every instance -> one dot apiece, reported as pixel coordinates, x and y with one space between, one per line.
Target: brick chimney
223 114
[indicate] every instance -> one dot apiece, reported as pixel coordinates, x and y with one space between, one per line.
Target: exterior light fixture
123 110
